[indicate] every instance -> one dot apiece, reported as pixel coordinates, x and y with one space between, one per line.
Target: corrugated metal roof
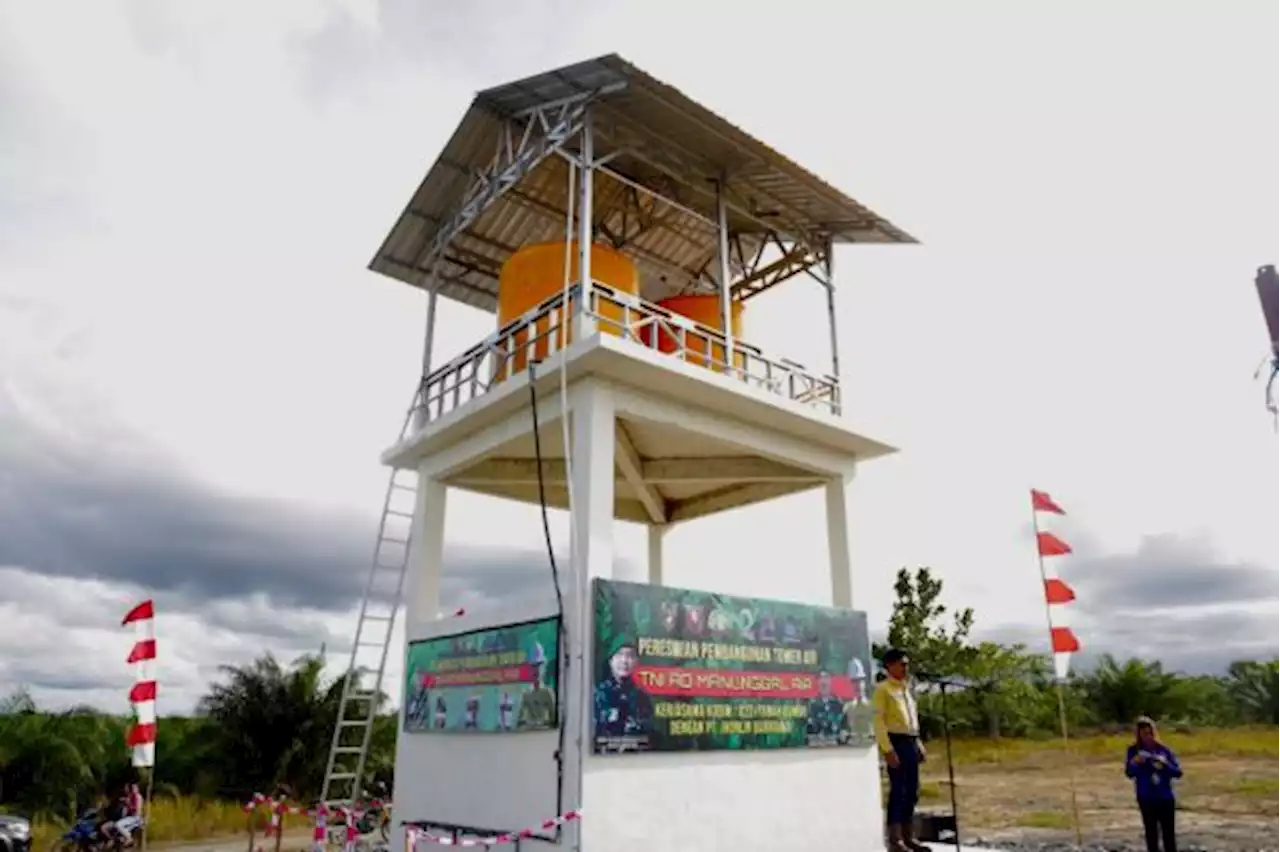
662 140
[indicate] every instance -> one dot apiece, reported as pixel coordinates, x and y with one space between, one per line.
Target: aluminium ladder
362 684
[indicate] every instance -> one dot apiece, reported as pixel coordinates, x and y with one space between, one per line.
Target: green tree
381 762
1002 687
55 763
1255 690
919 625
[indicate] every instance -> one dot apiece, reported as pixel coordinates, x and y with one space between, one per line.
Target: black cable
1271 385
562 652
542 493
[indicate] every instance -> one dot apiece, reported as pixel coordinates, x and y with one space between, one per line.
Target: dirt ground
293 841
1224 803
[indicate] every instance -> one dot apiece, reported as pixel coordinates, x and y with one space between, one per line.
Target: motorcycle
86 836
82 836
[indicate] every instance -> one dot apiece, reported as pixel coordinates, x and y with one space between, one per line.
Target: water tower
620 231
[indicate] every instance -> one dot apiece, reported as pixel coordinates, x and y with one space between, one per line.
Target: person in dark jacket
1153 766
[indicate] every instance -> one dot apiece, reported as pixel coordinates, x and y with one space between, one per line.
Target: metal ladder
382 595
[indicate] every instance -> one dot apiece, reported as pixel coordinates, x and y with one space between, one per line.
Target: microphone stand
942 684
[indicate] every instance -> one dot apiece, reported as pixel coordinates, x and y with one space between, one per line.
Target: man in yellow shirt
898 737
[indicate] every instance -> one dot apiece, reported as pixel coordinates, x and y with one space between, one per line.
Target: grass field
1007 787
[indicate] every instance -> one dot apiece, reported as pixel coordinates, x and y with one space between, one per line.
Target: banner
679 670
495 680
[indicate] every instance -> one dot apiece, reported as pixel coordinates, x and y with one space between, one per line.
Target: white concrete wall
501 781
775 800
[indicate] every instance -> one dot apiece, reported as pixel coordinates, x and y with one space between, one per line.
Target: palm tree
273 724
1204 699
1122 692
1256 689
190 761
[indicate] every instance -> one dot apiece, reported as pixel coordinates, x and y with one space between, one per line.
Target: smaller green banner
496 680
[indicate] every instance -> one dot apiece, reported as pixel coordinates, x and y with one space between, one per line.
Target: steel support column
585 231
828 262
722 252
428 343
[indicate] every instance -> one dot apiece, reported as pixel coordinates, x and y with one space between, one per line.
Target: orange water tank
705 310
534 274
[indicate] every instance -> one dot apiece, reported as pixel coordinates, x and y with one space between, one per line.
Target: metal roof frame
660 162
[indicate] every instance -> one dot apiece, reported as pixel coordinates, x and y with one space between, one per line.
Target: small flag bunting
143 690
1042 502
143 649
141 734
1058 592
1064 641
142 612
1051 545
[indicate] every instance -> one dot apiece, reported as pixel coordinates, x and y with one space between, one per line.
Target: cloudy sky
197 373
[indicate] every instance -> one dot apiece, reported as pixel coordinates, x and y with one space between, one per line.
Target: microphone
934 677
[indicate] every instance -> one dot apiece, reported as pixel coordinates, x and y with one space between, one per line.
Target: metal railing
549 327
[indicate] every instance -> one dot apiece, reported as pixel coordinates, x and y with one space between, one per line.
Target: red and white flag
1057 593
141 736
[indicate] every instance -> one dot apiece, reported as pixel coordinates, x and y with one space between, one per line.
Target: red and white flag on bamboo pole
142 734
1057 594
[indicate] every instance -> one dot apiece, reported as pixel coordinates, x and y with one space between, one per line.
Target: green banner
680 670
495 680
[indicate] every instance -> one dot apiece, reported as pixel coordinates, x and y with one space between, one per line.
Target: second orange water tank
701 348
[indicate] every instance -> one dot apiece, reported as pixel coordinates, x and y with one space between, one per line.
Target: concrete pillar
421 595
592 431
426 553
657 532
837 494
592 425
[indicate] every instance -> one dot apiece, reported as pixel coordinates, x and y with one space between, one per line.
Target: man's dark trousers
904 782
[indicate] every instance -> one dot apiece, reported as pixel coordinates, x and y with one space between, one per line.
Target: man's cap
618 642
537 654
894 655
